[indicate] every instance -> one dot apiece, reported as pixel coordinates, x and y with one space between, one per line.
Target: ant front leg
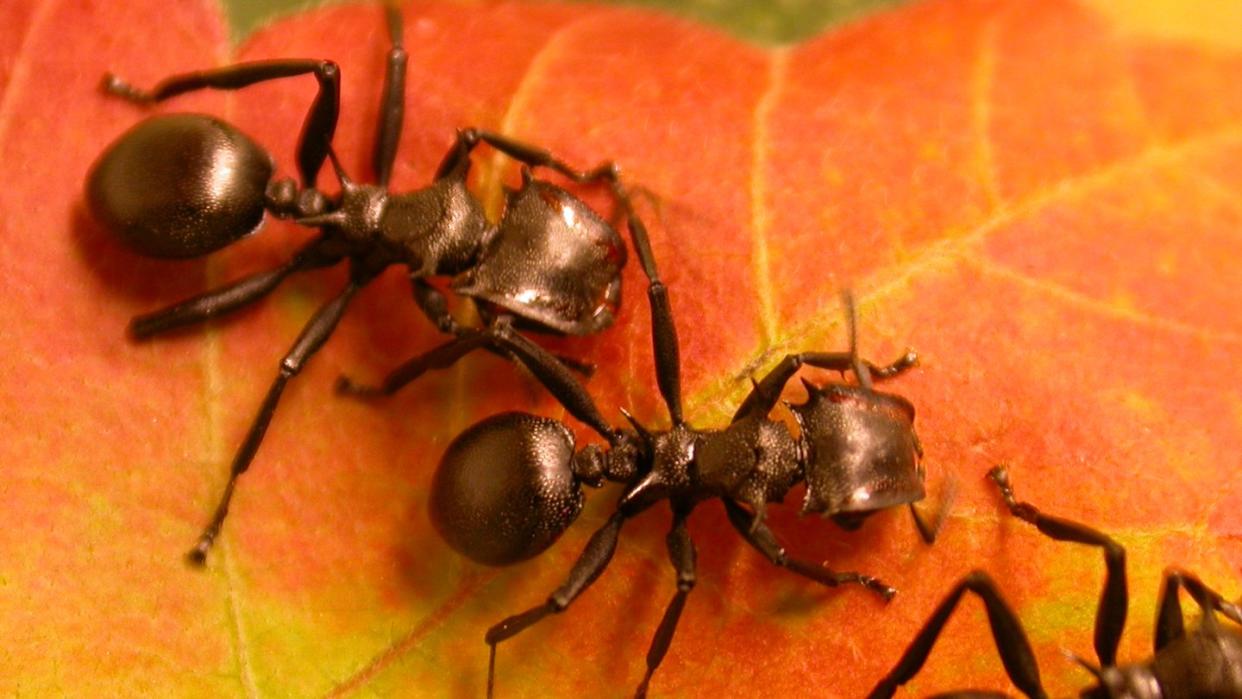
318 127
1169 621
1007 632
757 534
767 391
229 298
666 346
539 157
392 101
1110 619
590 564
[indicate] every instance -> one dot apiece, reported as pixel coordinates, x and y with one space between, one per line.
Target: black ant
1206 662
185 185
508 486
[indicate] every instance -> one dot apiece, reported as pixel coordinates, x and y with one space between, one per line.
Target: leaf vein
890 280
778 69
1086 302
982 78
237 629
466 591
21 67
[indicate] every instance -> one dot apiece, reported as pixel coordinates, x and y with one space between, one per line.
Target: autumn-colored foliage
1042 200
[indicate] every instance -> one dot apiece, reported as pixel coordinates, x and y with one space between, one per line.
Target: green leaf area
760 21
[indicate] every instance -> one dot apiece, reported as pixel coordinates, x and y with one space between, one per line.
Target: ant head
180 185
860 452
554 261
1127 682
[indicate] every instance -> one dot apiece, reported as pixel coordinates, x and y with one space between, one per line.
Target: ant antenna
332 218
341 177
1086 664
643 432
851 317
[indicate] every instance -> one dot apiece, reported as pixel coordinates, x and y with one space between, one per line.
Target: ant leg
1011 641
681 553
457 157
540 157
929 530
392 103
312 338
440 357
555 376
499 337
1169 622
663 330
317 128
666 346
434 306
226 299
759 536
767 391
590 564
1110 618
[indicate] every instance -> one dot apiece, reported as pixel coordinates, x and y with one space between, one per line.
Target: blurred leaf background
763 21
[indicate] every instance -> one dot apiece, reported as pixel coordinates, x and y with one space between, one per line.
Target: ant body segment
185 185
1204 662
508 486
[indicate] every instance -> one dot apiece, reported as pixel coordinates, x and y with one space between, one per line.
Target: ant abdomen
505 489
180 185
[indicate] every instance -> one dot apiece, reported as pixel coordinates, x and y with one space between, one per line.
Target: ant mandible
185 185
1205 662
510 485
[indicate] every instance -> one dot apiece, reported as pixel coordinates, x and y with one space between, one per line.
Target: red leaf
1043 204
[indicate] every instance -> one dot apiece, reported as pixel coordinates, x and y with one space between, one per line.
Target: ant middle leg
757 534
681 554
499 337
1110 619
312 338
1007 632
217 302
590 564
929 529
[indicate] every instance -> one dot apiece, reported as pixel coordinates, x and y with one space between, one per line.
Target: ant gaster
1204 662
185 185
508 486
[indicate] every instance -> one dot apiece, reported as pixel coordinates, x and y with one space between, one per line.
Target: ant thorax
754 460
439 229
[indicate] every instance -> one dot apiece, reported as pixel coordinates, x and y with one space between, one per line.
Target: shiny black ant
508 486
1206 662
185 185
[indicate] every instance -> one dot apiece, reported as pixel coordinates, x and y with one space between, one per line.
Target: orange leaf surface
1042 199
